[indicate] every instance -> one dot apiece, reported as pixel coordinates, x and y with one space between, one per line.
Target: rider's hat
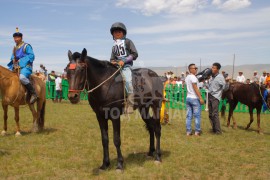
118 26
17 33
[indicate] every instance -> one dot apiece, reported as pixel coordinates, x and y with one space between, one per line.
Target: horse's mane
94 61
100 63
6 71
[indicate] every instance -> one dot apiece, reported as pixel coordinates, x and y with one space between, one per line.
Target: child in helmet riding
123 54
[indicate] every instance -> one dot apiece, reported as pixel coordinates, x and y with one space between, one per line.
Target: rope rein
91 90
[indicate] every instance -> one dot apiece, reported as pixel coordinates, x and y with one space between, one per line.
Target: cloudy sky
165 32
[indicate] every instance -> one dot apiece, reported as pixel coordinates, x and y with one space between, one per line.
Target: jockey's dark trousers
213 113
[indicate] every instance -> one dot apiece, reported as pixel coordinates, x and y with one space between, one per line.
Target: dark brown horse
248 94
13 94
107 100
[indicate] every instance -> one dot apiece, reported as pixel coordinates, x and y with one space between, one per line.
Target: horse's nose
72 95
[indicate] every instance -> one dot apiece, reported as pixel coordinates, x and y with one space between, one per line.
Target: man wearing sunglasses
193 101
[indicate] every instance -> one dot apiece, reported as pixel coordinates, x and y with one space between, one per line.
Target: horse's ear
69 55
84 54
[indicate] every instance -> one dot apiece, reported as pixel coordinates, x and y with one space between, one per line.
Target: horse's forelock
76 55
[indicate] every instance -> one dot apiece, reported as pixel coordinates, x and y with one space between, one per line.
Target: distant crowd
262 79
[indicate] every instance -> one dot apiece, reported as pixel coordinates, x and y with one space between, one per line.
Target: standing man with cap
23 56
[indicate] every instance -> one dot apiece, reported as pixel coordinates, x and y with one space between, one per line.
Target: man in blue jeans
193 102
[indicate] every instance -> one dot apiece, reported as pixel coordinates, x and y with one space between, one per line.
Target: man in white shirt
193 101
255 78
241 78
58 88
263 78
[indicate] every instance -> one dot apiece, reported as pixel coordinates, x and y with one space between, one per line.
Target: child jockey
23 56
123 54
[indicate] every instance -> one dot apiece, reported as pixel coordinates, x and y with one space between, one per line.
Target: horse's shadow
251 130
138 158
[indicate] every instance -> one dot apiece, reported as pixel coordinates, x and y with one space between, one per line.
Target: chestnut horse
14 94
248 94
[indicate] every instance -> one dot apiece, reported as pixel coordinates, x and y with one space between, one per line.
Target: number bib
119 48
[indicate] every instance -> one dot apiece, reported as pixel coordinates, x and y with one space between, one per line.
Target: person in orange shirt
267 78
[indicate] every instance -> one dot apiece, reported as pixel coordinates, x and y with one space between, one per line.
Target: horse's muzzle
74 97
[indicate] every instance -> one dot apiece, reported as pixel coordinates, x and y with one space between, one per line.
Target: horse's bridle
73 67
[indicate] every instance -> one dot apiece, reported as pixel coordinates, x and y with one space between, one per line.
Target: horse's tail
223 108
42 116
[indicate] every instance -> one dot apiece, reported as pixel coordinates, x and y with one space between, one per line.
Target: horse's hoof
119 170
18 134
260 132
157 162
3 133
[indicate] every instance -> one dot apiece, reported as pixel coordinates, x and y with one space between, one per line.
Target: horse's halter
72 66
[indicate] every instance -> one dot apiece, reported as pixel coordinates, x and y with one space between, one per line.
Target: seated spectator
267 78
248 81
262 78
241 78
255 78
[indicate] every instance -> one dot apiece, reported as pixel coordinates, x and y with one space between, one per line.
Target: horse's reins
91 90
86 81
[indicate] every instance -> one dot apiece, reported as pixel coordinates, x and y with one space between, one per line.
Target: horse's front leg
117 142
5 108
259 120
251 117
103 124
17 119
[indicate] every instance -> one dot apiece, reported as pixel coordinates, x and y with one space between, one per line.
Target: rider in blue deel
23 56
123 54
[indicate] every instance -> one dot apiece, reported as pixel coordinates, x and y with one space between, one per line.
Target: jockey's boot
32 92
130 104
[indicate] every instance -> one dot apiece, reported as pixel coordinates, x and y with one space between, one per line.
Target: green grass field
70 148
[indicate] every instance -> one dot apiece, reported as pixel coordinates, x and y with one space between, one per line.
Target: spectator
267 78
193 101
58 89
248 81
255 78
241 78
52 76
43 70
179 81
182 76
40 75
262 78
216 86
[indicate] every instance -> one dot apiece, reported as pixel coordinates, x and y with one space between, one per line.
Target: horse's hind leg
117 142
5 108
17 119
35 116
144 111
157 130
251 117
